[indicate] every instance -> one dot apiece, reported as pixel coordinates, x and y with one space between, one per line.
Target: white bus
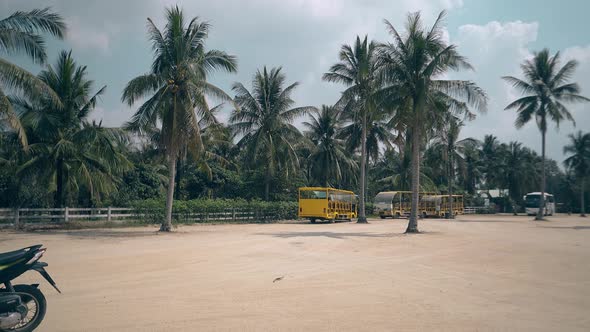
531 203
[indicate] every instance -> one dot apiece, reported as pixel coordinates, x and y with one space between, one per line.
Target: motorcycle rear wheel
36 304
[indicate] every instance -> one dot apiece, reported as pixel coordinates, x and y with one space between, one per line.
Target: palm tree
176 87
394 169
328 162
579 161
65 146
217 138
546 88
453 151
517 163
472 175
265 120
20 32
491 161
379 133
357 70
413 66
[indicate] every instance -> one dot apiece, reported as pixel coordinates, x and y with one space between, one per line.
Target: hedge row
214 210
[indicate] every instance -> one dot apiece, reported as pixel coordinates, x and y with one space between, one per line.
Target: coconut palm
20 33
492 166
453 152
265 119
472 174
65 147
218 140
546 88
579 161
394 170
413 65
379 133
176 88
357 70
515 170
328 162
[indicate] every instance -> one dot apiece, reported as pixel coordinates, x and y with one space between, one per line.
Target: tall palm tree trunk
541 213
167 223
177 178
59 184
367 165
172 158
362 219
450 192
267 179
413 222
582 207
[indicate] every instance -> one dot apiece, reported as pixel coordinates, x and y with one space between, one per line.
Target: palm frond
20 31
14 77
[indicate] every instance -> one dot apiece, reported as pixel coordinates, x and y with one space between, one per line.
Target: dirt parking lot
478 273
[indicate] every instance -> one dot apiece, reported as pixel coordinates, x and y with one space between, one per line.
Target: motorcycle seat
13 256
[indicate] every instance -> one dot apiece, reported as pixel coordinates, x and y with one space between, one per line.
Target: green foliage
328 161
68 151
141 183
358 70
210 210
413 68
578 152
396 100
21 33
265 121
176 89
546 89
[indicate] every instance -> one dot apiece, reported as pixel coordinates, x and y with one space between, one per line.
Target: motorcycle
22 307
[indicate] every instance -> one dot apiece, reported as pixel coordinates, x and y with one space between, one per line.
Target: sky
304 37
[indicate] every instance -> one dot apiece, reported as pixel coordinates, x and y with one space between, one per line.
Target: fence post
66 214
109 214
17 218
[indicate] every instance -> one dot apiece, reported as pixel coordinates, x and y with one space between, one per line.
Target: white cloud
86 37
496 37
319 8
111 117
581 112
497 49
97 114
304 36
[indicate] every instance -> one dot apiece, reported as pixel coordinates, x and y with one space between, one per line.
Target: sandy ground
478 273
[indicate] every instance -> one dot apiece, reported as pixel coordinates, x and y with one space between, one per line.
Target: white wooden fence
18 218
476 210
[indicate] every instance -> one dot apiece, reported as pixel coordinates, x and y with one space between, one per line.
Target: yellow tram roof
326 188
405 192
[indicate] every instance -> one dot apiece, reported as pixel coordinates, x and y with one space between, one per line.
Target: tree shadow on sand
332 235
577 228
99 233
483 221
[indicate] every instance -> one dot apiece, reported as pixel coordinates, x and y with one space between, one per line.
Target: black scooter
22 307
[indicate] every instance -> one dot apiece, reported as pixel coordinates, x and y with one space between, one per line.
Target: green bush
215 210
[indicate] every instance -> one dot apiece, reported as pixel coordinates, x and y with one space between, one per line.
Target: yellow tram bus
458 207
393 204
432 205
397 204
320 203
429 205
